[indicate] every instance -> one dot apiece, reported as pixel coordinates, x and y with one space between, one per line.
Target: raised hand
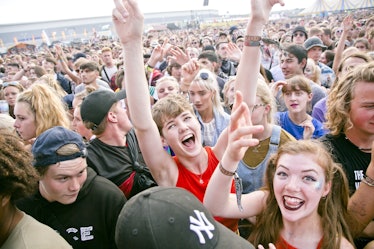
240 130
347 23
271 246
260 9
128 20
190 70
234 52
308 128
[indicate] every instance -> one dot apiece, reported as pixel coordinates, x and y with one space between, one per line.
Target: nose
16 125
74 185
293 184
182 127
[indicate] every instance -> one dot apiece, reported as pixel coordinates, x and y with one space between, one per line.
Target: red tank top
197 184
282 244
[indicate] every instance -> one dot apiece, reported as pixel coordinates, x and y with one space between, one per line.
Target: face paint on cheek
318 185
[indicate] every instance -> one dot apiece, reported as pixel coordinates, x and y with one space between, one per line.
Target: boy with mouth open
172 117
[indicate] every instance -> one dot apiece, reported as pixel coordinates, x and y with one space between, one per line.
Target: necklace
360 148
201 181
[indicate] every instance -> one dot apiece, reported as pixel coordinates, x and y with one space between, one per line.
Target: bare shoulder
345 244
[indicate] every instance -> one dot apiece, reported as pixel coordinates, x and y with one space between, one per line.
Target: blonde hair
316 71
210 84
49 80
170 79
6 122
340 98
264 93
48 108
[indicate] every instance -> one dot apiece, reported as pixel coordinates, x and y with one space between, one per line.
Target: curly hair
18 178
332 208
339 101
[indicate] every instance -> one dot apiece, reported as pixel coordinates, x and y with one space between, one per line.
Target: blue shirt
296 130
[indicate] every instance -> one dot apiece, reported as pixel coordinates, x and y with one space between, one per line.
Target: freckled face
362 108
299 184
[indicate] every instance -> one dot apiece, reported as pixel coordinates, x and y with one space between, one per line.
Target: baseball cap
314 42
97 104
169 218
46 145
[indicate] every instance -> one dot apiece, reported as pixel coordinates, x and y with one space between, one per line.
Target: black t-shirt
352 159
111 162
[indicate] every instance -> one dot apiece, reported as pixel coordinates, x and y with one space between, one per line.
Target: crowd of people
254 135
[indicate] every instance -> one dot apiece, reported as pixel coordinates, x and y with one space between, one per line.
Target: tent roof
320 6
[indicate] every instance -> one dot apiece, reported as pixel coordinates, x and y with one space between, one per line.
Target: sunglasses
12 83
204 76
299 34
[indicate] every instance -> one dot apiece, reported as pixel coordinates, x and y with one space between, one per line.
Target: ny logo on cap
201 224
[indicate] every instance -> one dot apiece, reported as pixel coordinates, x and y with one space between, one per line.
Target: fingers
119 12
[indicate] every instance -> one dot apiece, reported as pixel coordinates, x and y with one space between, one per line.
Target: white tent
322 6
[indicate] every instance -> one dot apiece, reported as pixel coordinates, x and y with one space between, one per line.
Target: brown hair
169 107
332 208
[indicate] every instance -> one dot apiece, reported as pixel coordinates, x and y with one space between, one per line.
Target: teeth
291 200
187 137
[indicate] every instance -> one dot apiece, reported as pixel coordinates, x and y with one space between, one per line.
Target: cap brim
229 239
120 95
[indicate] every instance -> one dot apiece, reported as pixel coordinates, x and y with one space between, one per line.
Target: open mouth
188 140
292 203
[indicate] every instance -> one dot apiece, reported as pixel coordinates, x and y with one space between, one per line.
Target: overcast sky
19 11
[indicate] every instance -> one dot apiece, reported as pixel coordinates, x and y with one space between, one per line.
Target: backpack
142 177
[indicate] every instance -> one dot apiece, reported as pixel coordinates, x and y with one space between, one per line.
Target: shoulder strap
131 144
275 135
106 73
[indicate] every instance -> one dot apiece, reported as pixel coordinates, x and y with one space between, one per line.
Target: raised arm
128 22
249 66
218 198
347 25
361 203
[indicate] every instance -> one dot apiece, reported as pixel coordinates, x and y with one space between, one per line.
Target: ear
164 142
303 64
327 189
5 200
267 108
112 117
310 96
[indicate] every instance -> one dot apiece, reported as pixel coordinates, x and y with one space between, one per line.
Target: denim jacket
221 120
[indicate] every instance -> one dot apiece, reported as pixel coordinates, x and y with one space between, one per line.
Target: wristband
225 171
252 41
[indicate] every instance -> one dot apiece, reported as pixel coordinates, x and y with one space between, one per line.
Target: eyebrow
303 171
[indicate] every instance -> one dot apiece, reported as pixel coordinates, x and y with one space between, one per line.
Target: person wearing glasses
299 35
11 90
